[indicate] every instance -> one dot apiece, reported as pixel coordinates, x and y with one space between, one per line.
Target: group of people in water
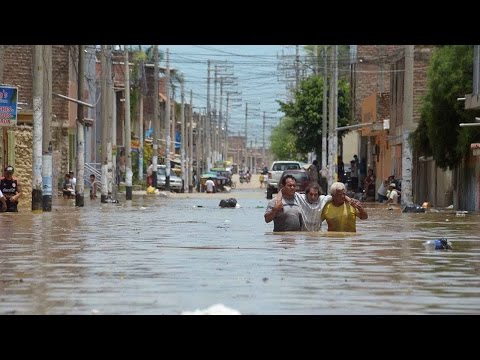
292 211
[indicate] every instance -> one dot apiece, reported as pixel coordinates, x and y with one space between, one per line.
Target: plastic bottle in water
438 244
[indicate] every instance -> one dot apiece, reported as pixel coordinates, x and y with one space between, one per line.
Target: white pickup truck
275 172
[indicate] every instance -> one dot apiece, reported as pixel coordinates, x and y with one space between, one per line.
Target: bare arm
362 213
19 193
270 215
3 201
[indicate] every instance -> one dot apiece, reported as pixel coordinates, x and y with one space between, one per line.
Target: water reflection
158 255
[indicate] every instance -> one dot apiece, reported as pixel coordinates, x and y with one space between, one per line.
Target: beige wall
350 146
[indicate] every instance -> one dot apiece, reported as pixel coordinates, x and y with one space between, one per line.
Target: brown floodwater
158 255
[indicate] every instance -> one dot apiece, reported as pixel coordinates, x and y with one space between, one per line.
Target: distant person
67 188
73 179
261 178
369 184
341 170
382 191
354 174
313 172
392 194
340 214
10 187
3 202
210 185
93 187
362 170
150 175
285 211
322 181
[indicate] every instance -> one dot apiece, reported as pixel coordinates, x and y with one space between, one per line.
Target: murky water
160 255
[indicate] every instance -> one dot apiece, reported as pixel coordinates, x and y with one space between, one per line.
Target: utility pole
156 118
37 128
263 142
408 126
103 61
214 117
332 121
80 161
220 121
225 149
47 167
167 124
335 114
107 124
324 110
246 133
183 137
190 146
297 66
112 137
140 126
128 134
207 122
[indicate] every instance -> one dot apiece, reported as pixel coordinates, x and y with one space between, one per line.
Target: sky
255 71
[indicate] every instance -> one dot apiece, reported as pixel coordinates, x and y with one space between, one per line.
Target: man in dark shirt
10 189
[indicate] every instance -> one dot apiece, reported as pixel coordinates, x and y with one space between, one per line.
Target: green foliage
283 140
306 113
147 155
449 76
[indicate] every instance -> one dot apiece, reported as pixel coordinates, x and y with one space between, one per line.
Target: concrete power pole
80 161
47 167
37 128
331 126
220 121
167 124
333 119
183 138
140 126
335 115
408 126
246 133
107 123
128 135
190 145
297 66
156 118
225 149
263 141
207 124
112 136
324 110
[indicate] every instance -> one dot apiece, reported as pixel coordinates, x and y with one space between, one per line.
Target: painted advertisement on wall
8 105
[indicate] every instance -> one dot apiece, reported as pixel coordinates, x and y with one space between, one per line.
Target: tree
306 113
438 134
283 140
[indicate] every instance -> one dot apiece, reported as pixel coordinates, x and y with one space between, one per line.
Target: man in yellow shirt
340 214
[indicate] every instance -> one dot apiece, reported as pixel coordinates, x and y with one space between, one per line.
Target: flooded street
158 255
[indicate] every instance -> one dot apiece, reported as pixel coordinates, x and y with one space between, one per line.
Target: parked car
176 183
302 177
275 172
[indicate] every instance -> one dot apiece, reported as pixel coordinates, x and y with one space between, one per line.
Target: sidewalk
252 188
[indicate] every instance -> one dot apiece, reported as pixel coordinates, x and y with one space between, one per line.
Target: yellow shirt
340 218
